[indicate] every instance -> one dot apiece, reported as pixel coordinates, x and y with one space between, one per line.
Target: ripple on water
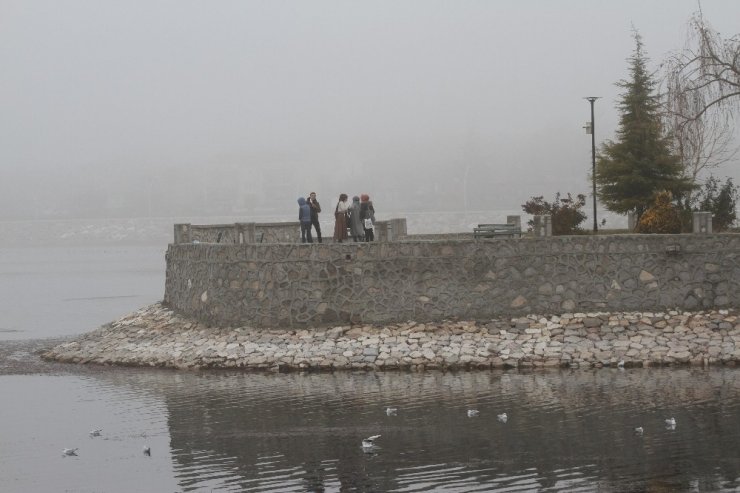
221 431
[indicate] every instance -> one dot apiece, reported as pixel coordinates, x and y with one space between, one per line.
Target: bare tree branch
707 69
701 97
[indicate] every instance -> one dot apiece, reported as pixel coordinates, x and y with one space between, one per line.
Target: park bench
497 230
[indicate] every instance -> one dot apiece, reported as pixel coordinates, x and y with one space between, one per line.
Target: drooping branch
701 96
706 72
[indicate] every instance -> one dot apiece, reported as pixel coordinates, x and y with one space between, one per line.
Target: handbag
368 223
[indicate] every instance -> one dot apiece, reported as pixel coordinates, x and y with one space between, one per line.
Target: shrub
721 201
662 217
566 214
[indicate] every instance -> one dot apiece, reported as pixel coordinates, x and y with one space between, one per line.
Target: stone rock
646 277
519 302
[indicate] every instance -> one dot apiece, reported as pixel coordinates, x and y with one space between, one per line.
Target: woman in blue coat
304 216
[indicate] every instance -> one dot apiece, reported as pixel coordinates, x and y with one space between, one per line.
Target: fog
177 108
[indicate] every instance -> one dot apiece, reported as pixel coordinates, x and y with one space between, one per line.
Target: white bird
147 450
391 411
69 451
503 417
472 413
639 430
670 423
95 433
369 442
620 364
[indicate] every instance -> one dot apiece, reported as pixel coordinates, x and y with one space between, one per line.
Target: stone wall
294 285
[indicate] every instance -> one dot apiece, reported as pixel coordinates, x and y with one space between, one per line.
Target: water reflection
567 431
217 431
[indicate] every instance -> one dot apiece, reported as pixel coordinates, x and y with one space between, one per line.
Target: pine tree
630 171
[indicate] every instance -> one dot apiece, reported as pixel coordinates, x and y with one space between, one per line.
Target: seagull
503 417
670 423
472 413
369 442
639 430
95 433
69 451
620 365
391 411
147 450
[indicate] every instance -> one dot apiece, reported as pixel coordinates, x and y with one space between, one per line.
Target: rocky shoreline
158 337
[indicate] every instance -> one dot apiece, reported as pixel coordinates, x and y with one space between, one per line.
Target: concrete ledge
156 336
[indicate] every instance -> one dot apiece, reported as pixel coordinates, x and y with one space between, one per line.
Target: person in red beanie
367 215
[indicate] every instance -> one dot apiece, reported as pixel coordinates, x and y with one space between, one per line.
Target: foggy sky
178 107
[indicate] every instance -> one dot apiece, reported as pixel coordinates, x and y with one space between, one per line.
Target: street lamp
590 129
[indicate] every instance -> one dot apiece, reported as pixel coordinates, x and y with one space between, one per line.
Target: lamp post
591 130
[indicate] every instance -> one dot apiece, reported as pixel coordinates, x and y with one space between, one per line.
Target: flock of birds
146 450
368 444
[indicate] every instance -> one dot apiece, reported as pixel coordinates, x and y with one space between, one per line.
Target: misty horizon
172 108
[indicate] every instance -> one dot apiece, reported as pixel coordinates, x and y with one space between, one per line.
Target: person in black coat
315 210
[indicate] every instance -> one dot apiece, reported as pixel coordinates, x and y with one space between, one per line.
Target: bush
566 214
662 217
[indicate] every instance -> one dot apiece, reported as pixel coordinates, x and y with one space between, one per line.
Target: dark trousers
306 233
370 234
315 224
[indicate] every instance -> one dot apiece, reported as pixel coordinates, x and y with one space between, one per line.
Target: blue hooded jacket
304 211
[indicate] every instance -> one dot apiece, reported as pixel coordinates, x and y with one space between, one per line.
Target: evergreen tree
630 171
721 201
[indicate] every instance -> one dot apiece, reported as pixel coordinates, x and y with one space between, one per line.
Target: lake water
231 431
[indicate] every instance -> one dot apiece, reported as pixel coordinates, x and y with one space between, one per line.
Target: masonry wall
294 285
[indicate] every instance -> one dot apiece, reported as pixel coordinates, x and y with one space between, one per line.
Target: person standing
304 216
315 210
340 219
355 222
367 215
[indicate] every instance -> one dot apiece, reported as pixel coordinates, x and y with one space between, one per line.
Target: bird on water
369 442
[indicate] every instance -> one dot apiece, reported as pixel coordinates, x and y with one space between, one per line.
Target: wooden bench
496 230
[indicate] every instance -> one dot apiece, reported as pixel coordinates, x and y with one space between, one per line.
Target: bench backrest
501 227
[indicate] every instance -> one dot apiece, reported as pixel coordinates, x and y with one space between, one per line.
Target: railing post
702 222
396 229
246 233
381 231
542 225
516 220
182 233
